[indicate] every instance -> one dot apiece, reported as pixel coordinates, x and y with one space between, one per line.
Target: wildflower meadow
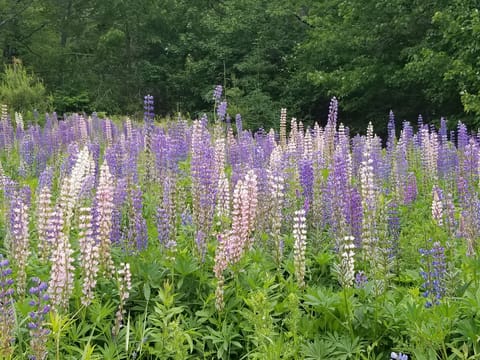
199 239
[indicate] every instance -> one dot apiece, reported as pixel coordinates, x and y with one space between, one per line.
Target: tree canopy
410 56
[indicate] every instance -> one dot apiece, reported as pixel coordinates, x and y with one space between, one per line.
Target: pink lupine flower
437 205
88 254
62 274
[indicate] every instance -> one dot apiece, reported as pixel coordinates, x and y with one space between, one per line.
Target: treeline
411 56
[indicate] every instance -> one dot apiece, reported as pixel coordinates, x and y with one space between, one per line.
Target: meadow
198 239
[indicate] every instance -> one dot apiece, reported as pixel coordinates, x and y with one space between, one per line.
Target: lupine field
197 239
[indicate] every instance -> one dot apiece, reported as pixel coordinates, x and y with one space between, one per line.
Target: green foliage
22 91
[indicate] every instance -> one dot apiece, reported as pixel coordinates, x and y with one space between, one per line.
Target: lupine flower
399 356
433 272
221 263
166 217
44 211
345 269
89 254
62 275
437 205
104 211
222 111
204 178
306 178
148 107
7 309
243 215
283 128
19 247
217 93
124 280
37 325
361 280
300 244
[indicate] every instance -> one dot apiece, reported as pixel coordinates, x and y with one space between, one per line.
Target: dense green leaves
409 56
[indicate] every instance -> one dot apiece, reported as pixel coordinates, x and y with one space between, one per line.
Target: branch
16 14
299 18
34 31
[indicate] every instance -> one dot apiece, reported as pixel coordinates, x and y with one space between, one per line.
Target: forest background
412 57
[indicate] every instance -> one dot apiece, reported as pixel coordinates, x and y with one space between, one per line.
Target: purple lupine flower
398 356
7 309
434 271
306 178
391 132
148 114
462 136
19 247
119 198
45 178
204 178
410 192
166 216
217 93
222 111
37 325
361 280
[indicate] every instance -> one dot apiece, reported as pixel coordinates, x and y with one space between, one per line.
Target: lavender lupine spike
204 178
166 217
306 175
149 129
222 111
217 93
19 246
7 309
104 211
37 325
434 273
299 247
89 254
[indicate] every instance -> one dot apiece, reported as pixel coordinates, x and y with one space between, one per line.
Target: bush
22 91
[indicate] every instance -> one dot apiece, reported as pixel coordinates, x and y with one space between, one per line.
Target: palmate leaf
317 350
